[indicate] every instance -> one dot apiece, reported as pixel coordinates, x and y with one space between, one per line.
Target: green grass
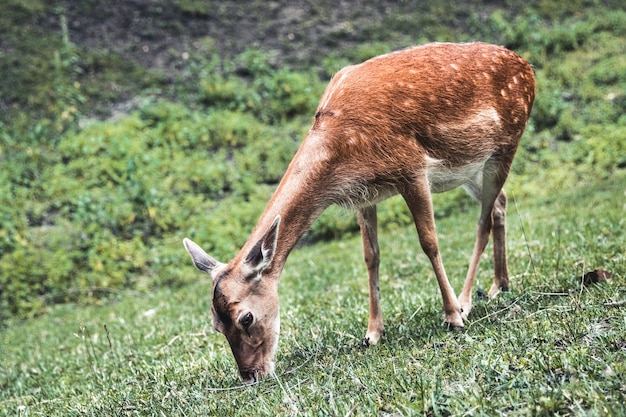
549 347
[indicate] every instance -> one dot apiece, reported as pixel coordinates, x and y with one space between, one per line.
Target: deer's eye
246 320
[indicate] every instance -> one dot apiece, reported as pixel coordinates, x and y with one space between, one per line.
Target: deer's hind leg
501 278
369 232
487 188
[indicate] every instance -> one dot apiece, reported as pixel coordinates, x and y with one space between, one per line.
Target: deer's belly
442 178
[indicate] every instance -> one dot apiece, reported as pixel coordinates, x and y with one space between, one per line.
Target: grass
551 346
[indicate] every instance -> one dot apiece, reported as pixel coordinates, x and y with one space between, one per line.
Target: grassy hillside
124 129
549 347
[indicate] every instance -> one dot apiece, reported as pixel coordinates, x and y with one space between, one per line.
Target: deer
422 120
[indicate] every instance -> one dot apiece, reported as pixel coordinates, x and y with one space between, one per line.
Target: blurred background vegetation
125 127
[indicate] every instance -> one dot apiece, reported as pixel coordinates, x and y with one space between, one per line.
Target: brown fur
421 120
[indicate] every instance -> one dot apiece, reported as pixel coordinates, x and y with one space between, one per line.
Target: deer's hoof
454 327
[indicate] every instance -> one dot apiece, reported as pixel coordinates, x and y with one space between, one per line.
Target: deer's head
245 303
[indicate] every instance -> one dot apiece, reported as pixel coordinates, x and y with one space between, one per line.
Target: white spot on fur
488 115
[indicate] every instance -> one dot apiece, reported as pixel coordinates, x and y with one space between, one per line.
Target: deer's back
450 102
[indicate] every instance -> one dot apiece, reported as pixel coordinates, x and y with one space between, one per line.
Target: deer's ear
200 258
263 251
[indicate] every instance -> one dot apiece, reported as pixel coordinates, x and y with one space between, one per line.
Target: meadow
108 162
550 346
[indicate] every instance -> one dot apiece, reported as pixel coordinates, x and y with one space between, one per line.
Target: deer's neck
299 199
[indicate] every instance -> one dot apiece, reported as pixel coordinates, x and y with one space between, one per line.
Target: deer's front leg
418 198
368 223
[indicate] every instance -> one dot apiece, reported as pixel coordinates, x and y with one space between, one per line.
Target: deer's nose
250 377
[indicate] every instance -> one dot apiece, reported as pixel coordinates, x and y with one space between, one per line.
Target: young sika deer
422 120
